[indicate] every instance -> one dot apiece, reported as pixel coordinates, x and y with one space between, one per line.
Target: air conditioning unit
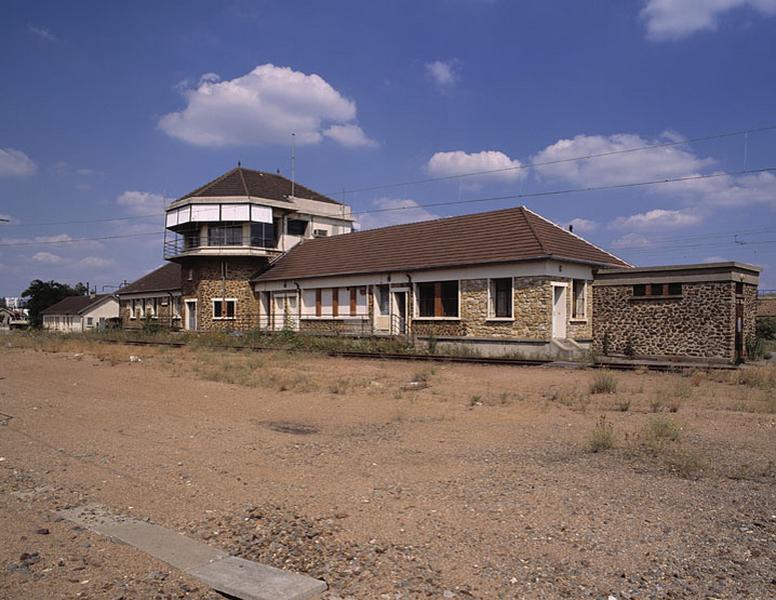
320 233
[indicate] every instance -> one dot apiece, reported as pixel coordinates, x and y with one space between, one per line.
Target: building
255 251
505 280
14 303
81 313
701 311
13 318
224 232
153 299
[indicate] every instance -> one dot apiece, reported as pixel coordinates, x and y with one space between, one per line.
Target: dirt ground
478 482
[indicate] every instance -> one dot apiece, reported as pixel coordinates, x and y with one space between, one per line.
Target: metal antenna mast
293 162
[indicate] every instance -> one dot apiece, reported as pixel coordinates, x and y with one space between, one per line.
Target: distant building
81 313
154 298
13 318
15 303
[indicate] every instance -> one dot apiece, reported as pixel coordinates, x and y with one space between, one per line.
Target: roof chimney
571 228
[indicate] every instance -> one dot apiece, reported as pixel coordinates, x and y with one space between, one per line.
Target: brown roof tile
258 184
513 234
165 278
73 305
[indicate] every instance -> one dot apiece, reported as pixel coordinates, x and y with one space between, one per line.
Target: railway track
480 360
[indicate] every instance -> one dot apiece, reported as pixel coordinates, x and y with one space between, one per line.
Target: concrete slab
170 546
234 576
253 581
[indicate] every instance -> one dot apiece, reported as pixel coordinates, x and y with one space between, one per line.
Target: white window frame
416 301
492 300
132 308
576 318
90 321
223 318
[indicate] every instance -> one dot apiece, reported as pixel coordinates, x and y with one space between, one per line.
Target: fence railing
181 243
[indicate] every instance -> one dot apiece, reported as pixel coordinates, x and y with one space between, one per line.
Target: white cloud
658 218
583 225
655 163
47 258
443 73
141 203
675 19
350 136
459 163
41 32
631 240
262 107
394 211
96 262
727 190
15 163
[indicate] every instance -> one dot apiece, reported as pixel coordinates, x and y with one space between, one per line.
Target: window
319 233
501 298
739 288
438 299
579 287
657 290
191 274
176 307
296 227
263 235
89 321
132 310
224 308
224 235
155 307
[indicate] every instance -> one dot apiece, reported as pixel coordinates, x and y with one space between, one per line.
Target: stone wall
700 324
208 283
532 313
352 326
163 314
766 306
750 300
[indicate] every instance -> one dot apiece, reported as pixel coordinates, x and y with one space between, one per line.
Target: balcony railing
176 244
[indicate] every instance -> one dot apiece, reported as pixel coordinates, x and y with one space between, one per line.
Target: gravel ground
480 485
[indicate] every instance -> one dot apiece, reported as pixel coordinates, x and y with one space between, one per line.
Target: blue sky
110 109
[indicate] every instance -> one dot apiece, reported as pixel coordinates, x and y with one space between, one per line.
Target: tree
42 294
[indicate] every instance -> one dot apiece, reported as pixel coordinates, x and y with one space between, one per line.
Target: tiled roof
247 182
165 278
73 305
513 234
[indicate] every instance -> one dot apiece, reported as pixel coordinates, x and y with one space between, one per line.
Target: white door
191 315
399 315
278 311
285 311
558 311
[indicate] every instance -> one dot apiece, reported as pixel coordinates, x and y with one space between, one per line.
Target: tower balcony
256 239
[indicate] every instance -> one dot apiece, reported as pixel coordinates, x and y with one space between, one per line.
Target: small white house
81 313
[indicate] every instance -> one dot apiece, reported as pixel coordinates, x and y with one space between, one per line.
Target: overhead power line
84 239
521 167
598 188
455 202
591 156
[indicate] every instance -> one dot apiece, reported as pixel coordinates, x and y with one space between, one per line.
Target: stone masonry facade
206 280
699 324
165 317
